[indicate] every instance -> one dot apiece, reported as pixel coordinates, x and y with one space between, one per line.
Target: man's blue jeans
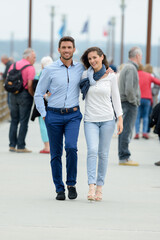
129 118
98 137
20 108
66 124
143 112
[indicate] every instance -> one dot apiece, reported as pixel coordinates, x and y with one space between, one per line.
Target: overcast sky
14 18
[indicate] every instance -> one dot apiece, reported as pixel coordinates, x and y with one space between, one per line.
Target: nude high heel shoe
91 192
98 195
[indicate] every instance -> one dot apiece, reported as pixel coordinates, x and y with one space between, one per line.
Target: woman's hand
119 125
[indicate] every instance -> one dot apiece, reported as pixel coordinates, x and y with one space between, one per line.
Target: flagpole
148 49
113 37
52 33
30 24
12 45
109 41
64 24
158 56
122 28
85 30
88 33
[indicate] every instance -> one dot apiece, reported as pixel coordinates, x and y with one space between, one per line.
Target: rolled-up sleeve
42 87
116 97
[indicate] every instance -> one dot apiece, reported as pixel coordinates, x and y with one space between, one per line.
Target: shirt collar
62 64
25 60
135 64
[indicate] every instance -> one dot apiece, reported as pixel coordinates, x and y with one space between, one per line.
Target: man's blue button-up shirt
62 83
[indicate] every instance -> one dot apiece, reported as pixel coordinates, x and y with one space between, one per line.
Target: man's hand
109 70
30 87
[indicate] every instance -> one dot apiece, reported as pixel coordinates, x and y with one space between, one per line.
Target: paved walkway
130 209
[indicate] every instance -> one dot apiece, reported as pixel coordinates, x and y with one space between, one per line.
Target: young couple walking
63 79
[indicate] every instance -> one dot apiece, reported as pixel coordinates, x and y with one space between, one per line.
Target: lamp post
113 37
148 49
30 23
108 47
12 45
158 55
52 32
122 6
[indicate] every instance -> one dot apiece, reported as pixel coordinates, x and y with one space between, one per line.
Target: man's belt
63 110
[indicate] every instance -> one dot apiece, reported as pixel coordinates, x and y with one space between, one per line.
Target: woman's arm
119 125
117 104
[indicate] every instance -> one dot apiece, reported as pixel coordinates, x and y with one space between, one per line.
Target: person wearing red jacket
145 80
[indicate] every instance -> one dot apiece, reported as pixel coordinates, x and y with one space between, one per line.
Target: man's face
32 58
4 61
139 58
66 50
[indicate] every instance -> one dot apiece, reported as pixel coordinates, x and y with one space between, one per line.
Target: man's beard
67 58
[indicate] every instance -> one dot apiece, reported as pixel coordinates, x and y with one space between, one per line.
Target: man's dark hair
66 39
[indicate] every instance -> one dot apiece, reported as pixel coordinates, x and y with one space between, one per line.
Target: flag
109 23
85 27
62 28
105 33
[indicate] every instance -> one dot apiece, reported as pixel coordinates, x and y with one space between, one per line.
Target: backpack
14 80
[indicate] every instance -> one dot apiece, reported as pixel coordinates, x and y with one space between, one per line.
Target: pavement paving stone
28 210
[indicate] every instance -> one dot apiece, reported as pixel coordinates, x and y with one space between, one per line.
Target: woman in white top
102 103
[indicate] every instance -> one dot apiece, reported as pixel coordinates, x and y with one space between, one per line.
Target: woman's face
95 60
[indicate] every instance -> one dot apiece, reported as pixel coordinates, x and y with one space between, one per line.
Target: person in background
101 94
155 91
155 122
120 67
21 104
145 81
7 62
130 99
113 66
45 61
154 87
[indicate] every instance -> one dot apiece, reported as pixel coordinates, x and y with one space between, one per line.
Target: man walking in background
21 104
130 98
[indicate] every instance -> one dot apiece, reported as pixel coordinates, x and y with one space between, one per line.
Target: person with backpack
19 82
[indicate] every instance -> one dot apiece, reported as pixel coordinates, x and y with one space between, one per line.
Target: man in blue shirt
63 115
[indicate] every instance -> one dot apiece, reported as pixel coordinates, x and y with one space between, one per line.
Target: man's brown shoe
129 163
24 150
12 149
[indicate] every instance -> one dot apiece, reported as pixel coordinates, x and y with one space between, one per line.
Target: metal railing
4 110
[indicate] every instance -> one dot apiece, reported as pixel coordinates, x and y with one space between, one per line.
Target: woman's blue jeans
143 112
98 137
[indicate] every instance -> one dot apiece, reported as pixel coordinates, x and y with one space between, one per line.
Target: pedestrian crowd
121 98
